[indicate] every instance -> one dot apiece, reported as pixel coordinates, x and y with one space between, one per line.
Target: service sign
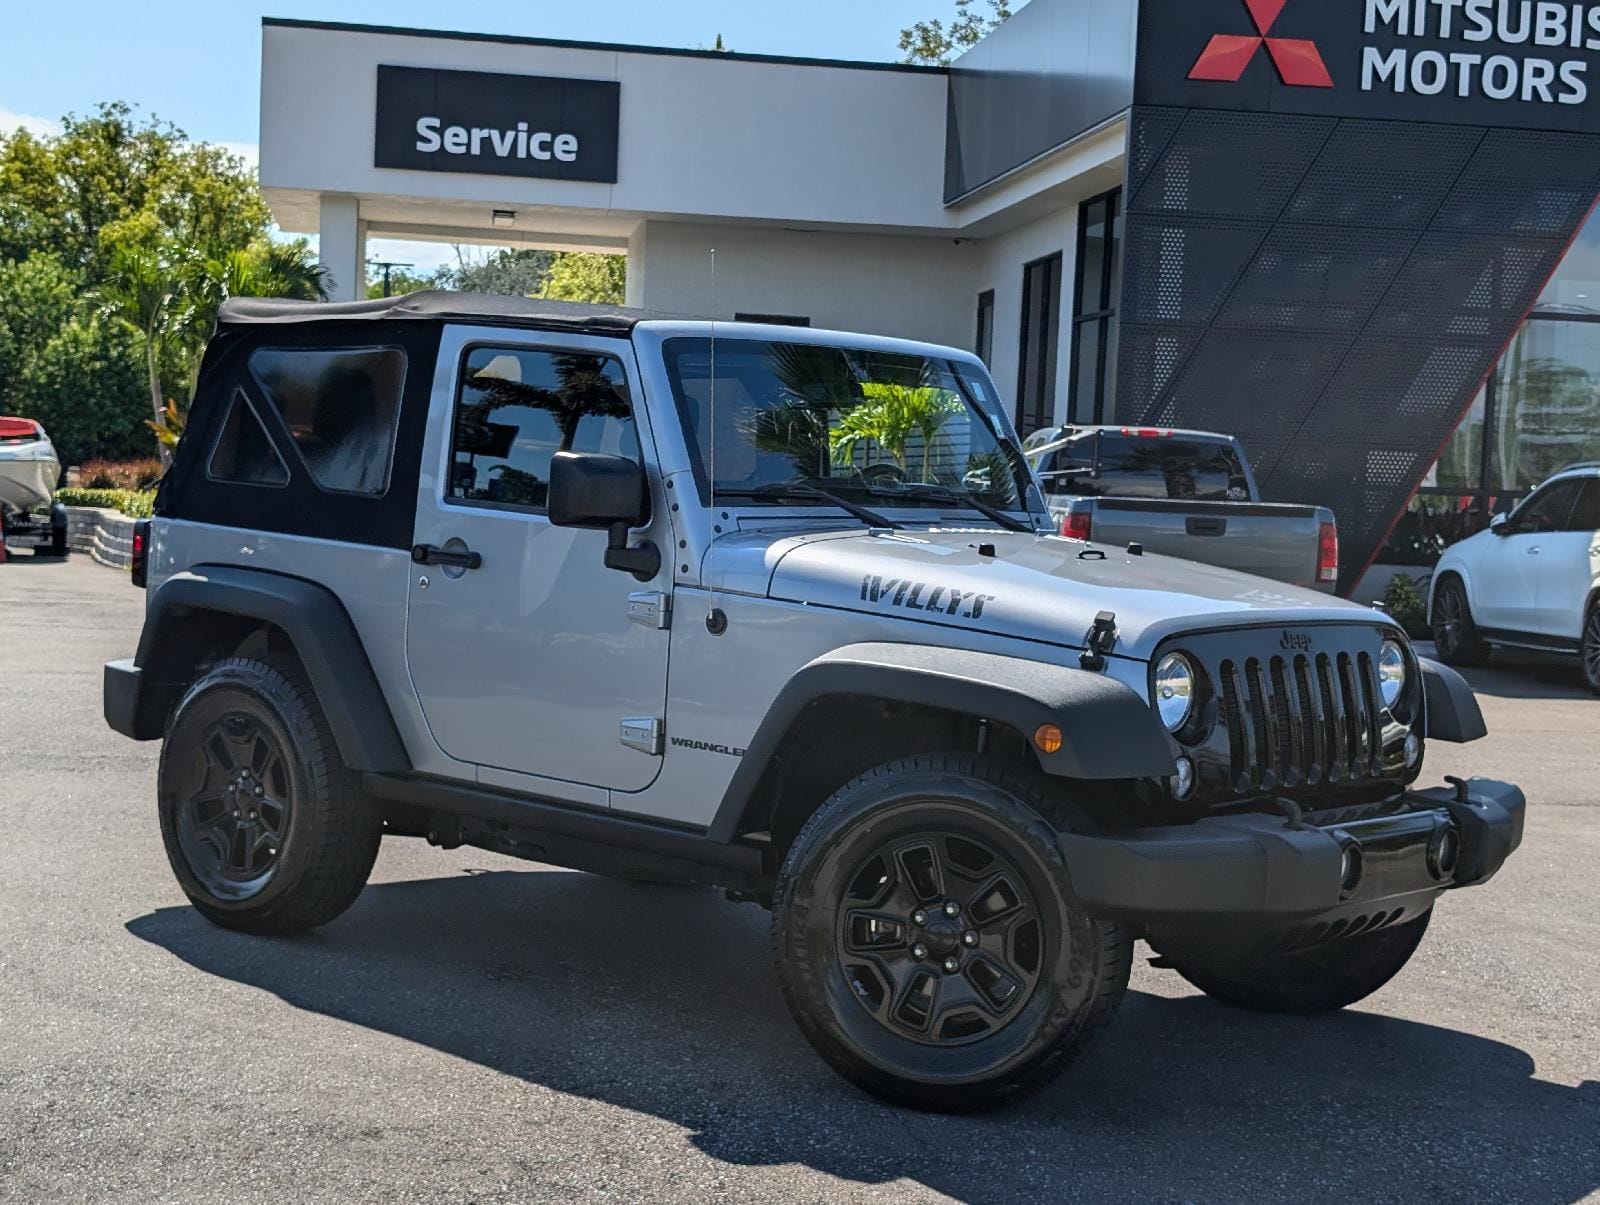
1526 64
498 125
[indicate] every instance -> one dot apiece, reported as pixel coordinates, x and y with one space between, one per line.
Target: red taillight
1328 553
1076 526
1147 432
139 553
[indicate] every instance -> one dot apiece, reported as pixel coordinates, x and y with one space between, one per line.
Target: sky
198 64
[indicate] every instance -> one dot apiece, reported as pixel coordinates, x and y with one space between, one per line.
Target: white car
1532 580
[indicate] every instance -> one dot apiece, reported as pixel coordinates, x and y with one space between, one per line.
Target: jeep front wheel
265 828
927 941
1317 980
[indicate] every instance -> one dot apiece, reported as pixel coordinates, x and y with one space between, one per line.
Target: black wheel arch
194 614
924 694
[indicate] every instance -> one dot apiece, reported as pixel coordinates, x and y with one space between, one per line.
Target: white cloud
41 127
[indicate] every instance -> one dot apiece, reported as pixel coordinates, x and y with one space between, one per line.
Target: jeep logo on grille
1296 641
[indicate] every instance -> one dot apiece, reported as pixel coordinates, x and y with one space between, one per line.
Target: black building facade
1336 217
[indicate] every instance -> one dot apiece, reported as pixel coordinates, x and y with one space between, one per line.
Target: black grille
1300 721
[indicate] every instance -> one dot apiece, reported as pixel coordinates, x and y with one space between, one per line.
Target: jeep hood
1041 588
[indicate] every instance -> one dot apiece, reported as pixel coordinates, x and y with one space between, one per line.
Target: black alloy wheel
233 825
1455 635
1589 648
939 938
265 827
927 939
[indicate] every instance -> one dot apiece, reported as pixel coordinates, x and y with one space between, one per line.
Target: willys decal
918 596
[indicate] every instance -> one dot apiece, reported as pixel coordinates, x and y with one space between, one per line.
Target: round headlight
1391 672
1174 690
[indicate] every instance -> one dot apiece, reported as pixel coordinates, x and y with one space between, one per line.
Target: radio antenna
711 578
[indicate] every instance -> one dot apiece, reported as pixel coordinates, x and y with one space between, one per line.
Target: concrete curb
106 535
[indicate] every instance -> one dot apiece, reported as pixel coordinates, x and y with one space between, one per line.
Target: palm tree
168 296
891 416
141 294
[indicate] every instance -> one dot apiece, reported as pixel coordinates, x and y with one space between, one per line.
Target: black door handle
1197 525
430 554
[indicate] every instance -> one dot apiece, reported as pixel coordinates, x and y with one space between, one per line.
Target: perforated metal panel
1333 291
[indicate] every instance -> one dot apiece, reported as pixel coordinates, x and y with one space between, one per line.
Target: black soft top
438 304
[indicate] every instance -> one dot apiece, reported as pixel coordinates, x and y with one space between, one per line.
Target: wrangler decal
907 593
684 742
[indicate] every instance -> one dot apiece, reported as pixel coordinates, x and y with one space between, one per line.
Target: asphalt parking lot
479 1029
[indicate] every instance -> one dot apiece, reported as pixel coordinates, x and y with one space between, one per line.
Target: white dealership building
1338 229
824 188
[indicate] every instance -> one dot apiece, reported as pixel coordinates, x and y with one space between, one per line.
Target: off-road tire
1318 980
1081 964
332 829
1455 635
59 546
1589 648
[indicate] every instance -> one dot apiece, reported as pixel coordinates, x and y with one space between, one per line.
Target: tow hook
1460 784
1294 817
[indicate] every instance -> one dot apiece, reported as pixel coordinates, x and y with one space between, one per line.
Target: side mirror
1501 524
594 490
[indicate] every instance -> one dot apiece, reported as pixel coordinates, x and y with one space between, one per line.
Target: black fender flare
315 622
1109 730
1451 708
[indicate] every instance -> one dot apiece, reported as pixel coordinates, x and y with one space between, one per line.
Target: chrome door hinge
644 733
651 608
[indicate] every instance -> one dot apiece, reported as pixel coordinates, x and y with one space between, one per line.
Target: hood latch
1098 641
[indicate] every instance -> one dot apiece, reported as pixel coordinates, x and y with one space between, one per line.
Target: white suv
1531 581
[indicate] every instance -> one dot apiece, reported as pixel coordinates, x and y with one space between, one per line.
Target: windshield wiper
938 493
780 490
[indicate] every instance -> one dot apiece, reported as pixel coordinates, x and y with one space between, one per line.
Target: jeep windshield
875 428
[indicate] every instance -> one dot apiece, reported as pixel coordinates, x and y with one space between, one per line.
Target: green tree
401 282
118 238
586 276
113 179
510 272
935 43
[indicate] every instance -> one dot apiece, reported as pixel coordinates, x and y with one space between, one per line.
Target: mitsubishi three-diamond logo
1227 55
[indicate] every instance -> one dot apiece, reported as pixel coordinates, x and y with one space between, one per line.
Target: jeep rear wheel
927 941
265 828
1318 980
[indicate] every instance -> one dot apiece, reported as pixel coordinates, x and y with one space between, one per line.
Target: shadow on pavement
662 1000
1524 674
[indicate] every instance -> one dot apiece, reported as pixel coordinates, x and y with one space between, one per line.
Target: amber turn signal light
1047 737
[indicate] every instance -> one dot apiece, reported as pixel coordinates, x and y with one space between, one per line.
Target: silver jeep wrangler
770 609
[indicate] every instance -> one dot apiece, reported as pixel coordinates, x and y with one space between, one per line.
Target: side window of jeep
516 408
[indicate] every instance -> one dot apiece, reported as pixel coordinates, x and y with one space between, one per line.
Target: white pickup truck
1187 494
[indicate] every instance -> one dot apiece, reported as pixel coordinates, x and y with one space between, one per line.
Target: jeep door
528 661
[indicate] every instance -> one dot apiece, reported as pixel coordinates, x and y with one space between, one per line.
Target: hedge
136 504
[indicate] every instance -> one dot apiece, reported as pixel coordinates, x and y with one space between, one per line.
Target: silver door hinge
650 608
644 733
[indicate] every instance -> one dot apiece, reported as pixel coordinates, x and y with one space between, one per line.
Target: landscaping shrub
120 474
136 504
1406 606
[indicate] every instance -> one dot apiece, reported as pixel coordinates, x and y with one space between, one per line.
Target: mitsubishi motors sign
1528 64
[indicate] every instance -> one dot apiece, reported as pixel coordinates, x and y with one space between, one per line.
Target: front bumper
1262 868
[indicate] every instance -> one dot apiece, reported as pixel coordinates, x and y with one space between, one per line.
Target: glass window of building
1092 390
1538 412
983 342
1041 333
